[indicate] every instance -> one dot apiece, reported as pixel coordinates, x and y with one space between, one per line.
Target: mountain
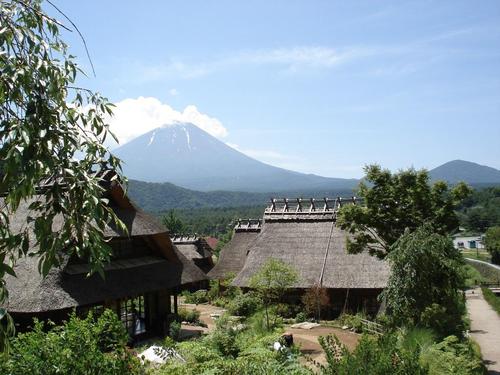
187 156
160 197
461 170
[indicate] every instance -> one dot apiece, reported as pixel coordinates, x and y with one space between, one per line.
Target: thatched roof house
145 270
234 254
306 237
195 249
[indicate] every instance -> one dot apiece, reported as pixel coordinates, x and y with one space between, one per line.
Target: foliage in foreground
230 351
80 346
50 131
492 243
406 352
425 281
396 202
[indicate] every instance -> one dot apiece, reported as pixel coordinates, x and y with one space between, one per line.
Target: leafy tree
492 243
51 140
315 300
423 288
396 202
272 281
173 223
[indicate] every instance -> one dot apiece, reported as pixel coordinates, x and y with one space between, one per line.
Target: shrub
109 331
352 321
190 316
175 330
300 317
200 296
244 304
316 300
452 356
374 356
77 347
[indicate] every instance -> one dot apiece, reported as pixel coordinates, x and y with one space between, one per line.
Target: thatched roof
163 267
192 247
29 292
316 248
138 223
233 254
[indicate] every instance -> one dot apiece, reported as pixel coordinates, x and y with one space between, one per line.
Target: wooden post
175 304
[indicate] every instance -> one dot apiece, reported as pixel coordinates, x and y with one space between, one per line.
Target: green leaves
396 202
51 142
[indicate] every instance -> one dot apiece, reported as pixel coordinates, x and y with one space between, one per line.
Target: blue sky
320 87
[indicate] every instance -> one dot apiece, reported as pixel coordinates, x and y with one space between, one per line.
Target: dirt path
485 329
307 339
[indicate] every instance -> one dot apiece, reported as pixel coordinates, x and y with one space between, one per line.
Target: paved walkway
485 329
481 261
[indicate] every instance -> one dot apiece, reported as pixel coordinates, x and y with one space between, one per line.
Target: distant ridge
460 170
187 156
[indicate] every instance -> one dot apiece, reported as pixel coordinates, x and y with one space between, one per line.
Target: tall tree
51 140
492 243
174 223
394 202
425 281
272 281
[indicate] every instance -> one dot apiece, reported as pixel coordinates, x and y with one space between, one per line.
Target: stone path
485 329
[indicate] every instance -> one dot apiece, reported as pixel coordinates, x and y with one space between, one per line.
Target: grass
479 255
489 274
492 299
473 277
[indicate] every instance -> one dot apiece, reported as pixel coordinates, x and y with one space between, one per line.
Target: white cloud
133 117
173 92
291 59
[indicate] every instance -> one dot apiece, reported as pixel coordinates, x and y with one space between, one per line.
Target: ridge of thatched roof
192 246
310 209
234 253
317 250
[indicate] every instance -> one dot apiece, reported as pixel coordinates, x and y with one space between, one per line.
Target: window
133 315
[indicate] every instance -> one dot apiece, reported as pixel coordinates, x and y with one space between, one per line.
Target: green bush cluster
352 321
200 296
243 304
453 356
190 316
174 330
80 346
228 351
374 356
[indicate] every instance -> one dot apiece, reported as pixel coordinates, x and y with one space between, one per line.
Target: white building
468 242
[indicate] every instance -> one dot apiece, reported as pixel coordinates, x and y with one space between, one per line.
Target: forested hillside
481 210
161 197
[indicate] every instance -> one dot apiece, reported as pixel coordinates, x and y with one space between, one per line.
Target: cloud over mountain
133 117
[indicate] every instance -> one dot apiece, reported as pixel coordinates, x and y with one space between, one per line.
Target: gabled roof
233 254
309 241
67 286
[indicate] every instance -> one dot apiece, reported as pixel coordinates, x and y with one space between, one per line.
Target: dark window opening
133 315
